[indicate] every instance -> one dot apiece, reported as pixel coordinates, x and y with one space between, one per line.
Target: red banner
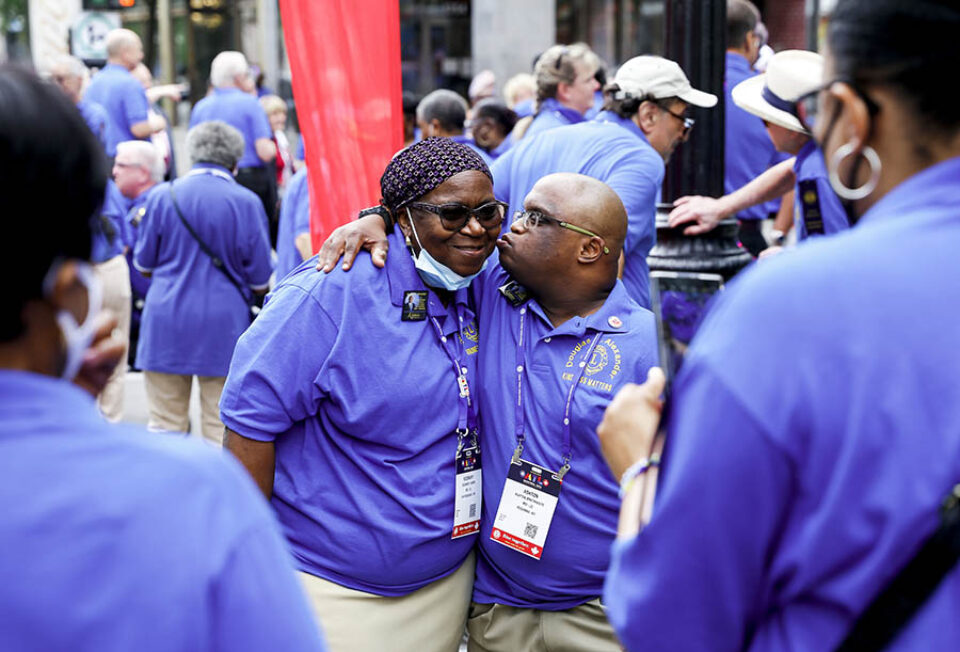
345 61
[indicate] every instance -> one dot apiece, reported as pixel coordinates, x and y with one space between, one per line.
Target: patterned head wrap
423 166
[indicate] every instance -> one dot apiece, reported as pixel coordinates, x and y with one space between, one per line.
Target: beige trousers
168 402
500 628
430 619
114 276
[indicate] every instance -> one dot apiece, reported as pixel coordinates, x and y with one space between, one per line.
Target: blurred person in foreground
356 439
195 310
796 487
773 97
112 539
116 90
233 100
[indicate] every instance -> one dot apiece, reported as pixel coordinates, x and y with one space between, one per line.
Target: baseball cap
658 78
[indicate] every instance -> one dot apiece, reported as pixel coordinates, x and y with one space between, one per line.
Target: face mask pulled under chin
436 274
78 337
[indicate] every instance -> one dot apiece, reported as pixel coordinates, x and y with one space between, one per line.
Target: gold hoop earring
845 192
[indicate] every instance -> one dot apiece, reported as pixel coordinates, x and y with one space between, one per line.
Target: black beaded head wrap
423 166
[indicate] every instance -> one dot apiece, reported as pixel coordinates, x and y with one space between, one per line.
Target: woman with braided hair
349 401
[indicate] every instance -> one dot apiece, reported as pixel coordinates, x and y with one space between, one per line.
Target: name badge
527 505
414 306
467 503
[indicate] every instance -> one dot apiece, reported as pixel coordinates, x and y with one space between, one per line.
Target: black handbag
249 299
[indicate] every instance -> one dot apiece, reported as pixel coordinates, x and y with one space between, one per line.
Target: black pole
813 26
696 39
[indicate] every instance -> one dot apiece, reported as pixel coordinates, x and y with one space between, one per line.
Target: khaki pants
114 276
500 628
430 619
168 399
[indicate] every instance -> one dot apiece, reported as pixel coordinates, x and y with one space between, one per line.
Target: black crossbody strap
216 260
903 596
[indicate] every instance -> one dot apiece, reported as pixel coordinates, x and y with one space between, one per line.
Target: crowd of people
444 430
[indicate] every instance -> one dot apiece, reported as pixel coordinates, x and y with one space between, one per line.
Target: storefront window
616 29
435 45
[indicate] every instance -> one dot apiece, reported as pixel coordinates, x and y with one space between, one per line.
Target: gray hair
226 66
69 64
215 142
119 40
559 65
145 154
446 106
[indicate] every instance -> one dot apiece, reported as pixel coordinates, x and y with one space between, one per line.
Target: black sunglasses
454 217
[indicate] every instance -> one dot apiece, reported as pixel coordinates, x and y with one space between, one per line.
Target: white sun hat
772 96
659 78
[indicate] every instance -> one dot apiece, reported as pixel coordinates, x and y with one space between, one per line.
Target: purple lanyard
466 414
519 418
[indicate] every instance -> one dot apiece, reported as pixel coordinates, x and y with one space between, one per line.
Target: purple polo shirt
611 149
96 118
115 538
815 198
193 315
550 115
363 408
240 110
806 469
748 150
124 99
294 220
577 548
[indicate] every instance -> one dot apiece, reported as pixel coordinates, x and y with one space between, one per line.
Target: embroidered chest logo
469 334
602 368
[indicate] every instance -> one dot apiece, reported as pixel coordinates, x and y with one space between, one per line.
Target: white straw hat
771 96
658 78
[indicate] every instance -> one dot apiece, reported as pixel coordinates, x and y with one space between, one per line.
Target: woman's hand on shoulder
346 242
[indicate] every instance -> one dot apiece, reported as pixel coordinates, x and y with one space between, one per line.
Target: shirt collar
552 104
809 148
227 90
212 166
626 123
402 277
612 317
935 186
114 66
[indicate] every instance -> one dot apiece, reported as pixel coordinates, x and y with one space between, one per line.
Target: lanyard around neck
466 413
519 416
214 171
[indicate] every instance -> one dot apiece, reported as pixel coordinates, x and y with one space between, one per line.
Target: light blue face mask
436 274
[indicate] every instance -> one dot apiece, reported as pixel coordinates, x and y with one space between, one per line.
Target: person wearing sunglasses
800 484
646 117
351 400
558 335
785 98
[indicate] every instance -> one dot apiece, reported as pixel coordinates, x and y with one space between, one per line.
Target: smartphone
680 301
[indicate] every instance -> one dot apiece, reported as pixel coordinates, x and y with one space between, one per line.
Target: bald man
116 90
558 335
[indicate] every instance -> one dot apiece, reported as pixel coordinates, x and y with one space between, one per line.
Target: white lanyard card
529 499
466 508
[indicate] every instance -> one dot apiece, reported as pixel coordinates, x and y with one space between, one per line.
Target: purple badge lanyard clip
519 419
466 412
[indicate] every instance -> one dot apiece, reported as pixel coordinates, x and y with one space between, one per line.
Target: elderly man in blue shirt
626 147
112 539
70 74
229 102
196 309
558 334
116 90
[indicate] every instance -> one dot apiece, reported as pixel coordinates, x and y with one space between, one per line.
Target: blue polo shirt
240 110
611 149
124 99
96 118
748 150
109 229
115 538
135 216
798 484
815 199
550 115
576 552
193 315
363 409
294 220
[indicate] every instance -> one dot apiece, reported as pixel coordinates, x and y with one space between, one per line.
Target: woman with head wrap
349 401
800 481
